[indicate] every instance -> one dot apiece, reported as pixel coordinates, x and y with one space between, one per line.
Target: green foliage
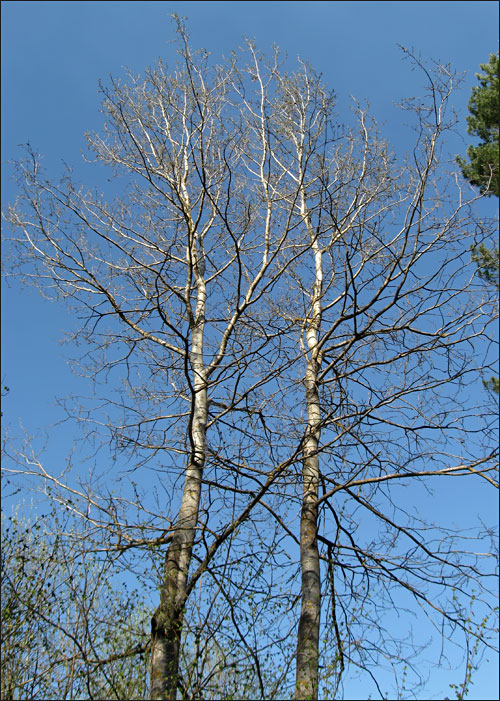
482 168
487 263
71 629
492 384
473 633
66 632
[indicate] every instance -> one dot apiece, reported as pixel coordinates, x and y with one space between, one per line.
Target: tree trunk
166 623
308 633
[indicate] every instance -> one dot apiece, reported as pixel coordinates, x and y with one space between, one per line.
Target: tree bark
308 633
166 623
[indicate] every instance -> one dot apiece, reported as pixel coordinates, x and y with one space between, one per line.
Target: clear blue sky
54 53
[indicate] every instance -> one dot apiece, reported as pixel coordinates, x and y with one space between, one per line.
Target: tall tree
293 315
173 275
362 312
482 169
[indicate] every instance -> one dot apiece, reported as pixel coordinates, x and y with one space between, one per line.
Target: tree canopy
482 168
283 319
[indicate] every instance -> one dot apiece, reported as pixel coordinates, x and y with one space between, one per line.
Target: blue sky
54 53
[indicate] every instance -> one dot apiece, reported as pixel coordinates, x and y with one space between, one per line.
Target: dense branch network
291 316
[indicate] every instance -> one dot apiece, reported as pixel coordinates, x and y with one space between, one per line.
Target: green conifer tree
482 168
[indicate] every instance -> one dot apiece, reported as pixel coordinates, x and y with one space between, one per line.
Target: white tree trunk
166 624
308 633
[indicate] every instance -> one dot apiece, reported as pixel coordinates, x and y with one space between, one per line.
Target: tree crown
482 170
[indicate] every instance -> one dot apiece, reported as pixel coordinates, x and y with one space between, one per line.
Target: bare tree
173 274
289 309
388 329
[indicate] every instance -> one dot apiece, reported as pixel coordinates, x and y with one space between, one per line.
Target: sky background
54 53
